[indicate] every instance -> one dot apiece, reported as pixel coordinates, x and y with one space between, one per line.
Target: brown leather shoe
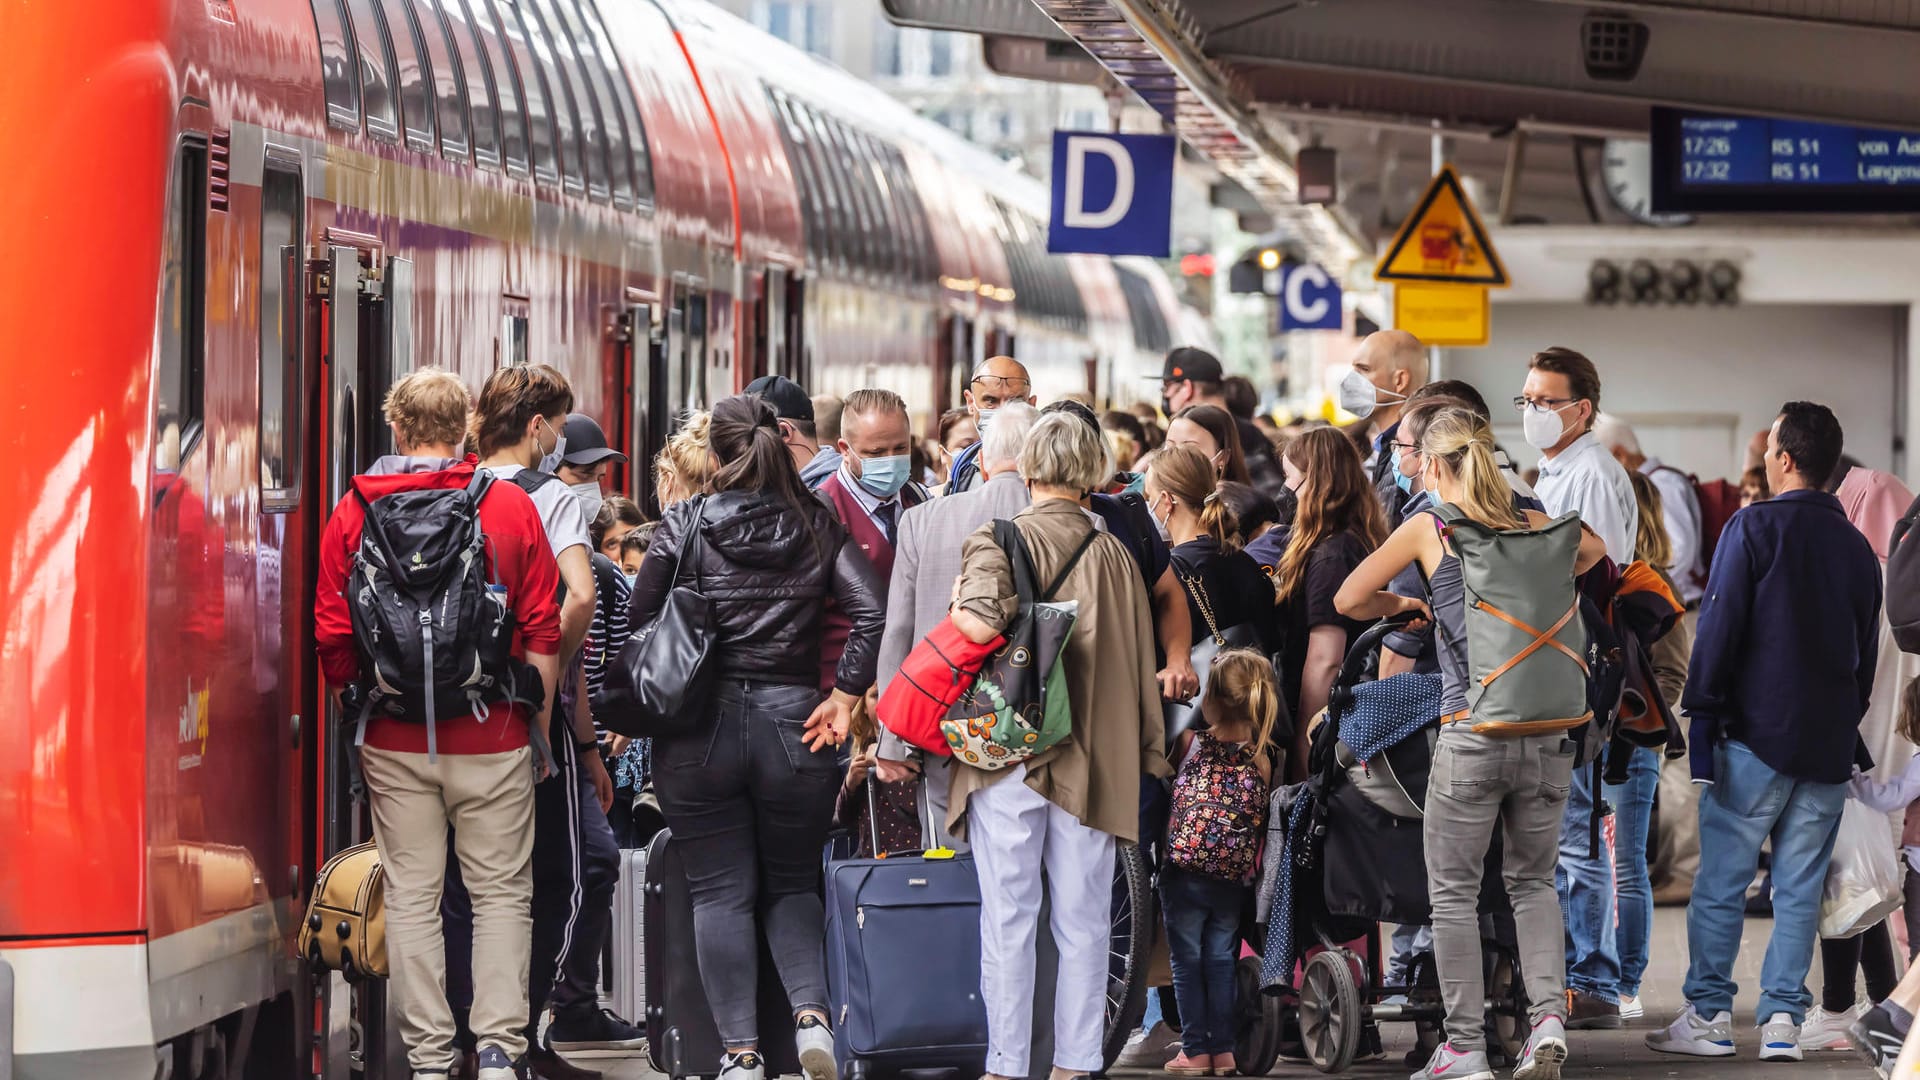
1588 1013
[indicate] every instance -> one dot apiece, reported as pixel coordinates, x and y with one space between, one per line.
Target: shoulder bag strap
690 545
1007 535
1072 561
1197 589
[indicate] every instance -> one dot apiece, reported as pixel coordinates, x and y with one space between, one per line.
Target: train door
953 355
687 378
362 311
793 362
770 325
641 363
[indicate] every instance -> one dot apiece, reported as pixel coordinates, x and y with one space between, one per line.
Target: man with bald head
1389 367
999 380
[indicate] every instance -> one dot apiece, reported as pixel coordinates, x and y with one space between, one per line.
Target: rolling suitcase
681 1038
903 962
628 960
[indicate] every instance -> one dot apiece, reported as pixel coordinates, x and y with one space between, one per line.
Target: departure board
1706 163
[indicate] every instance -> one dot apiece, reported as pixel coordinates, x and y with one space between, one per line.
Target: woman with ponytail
1338 521
750 791
1225 588
1481 781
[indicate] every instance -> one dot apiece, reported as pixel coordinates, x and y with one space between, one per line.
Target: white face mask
1543 428
1161 525
1360 397
550 463
589 495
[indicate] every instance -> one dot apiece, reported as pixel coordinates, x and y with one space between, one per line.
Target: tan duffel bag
346 925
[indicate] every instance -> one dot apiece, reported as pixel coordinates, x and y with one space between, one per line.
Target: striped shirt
608 631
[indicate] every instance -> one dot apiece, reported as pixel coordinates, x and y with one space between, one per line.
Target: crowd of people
1222 569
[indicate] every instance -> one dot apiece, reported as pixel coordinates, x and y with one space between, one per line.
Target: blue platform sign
1309 299
1112 194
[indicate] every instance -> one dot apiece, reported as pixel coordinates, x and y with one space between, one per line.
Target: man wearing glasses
1557 407
999 380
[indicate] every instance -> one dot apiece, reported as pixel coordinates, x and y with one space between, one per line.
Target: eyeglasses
1405 447
1523 403
1002 384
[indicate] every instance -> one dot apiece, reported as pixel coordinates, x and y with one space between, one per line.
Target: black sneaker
1877 1039
544 1064
595 1033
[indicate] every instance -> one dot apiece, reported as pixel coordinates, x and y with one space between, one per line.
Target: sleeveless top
1447 596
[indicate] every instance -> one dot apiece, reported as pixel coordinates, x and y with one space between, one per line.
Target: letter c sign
1112 194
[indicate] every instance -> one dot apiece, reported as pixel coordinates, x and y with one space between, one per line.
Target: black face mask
1166 405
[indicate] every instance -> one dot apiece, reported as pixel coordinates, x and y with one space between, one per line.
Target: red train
227 225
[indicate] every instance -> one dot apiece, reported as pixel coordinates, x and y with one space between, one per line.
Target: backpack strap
1540 637
531 480
1072 561
1007 535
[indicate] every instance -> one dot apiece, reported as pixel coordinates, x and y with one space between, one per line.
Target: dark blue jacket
1789 631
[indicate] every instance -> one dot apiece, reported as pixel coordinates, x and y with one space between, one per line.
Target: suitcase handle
920 808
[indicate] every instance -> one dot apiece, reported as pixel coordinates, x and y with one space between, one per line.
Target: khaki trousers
488 800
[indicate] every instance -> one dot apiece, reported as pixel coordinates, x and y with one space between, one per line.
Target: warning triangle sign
1443 241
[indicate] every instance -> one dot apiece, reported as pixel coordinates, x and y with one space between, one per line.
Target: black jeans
749 806
1870 951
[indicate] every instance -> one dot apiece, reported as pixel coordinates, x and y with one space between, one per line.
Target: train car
232 224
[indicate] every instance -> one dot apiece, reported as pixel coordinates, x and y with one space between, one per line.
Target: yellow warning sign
1443 314
1443 241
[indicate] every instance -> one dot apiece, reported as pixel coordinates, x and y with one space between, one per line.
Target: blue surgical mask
981 419
550 463
883 477
1400 479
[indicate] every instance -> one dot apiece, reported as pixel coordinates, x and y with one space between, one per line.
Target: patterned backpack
1219 806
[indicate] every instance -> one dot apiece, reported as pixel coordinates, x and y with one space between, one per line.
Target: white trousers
1016 835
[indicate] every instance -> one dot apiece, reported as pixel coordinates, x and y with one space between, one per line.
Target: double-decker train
226 226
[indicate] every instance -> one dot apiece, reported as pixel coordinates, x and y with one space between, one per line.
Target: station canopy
1248 82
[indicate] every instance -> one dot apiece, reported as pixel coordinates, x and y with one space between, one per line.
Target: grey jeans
1519 784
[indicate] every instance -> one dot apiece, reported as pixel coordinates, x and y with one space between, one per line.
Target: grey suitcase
629 922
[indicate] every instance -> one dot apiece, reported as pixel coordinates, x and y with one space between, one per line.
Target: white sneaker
744 1066
815 1044
1692 1034
1780 1039
1150 1048
1828 1031
1630 1007
494 1064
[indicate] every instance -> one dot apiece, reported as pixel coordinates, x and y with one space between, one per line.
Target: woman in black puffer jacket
750 793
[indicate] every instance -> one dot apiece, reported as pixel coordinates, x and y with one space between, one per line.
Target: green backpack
1018 706
1526 644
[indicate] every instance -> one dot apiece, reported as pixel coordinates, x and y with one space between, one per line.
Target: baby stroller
1354 859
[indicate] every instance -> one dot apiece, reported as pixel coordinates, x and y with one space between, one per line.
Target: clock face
1626 166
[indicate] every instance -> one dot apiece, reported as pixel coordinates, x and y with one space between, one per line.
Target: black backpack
1903 583
435 637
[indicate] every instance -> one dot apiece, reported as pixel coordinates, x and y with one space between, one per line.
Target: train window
900 251
337 65
282 317
179 386
636 132
586 161
603 140
792 138
506 85
415 80
566 135
439 53
376 70
1144 311
475 78
867 229
840 238
925 265
533 90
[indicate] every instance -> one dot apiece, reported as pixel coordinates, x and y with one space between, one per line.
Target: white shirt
1680 512
560 511
1586 480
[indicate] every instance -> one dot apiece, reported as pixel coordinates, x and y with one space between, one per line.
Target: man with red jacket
480 774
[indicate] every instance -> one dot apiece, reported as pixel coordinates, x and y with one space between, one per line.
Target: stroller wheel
1129 941
1330 1011
1259 1015
1507 1023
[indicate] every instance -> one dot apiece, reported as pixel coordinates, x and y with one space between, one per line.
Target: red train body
228 224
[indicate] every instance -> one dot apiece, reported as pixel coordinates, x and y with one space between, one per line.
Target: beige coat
1117 730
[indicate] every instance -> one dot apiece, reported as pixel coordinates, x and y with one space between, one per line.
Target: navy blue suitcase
903 964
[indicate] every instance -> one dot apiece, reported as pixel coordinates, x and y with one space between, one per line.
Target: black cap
586 443
788 398
1187 362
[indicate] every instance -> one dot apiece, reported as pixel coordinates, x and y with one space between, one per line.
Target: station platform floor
1613 1055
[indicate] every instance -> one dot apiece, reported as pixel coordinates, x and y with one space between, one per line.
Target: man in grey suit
925 563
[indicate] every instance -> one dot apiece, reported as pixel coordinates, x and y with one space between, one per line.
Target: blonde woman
684 466
1517 784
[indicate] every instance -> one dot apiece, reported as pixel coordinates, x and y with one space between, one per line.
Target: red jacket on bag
518 557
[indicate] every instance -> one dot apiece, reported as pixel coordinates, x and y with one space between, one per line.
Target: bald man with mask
999 380
1389 367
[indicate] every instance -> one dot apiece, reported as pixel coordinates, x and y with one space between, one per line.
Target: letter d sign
1112 194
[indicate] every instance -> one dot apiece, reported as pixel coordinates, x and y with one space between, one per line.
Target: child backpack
1526 642
1219 806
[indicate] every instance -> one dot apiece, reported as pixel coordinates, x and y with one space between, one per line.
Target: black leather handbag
659 681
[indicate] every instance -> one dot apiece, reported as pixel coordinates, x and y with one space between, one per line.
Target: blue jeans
1747 804
1203 940
1584 878
1632 815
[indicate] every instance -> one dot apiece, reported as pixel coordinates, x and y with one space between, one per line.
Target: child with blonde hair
1220 786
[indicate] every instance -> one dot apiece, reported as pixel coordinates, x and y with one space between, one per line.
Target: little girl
1212 852
895 814
1902 793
